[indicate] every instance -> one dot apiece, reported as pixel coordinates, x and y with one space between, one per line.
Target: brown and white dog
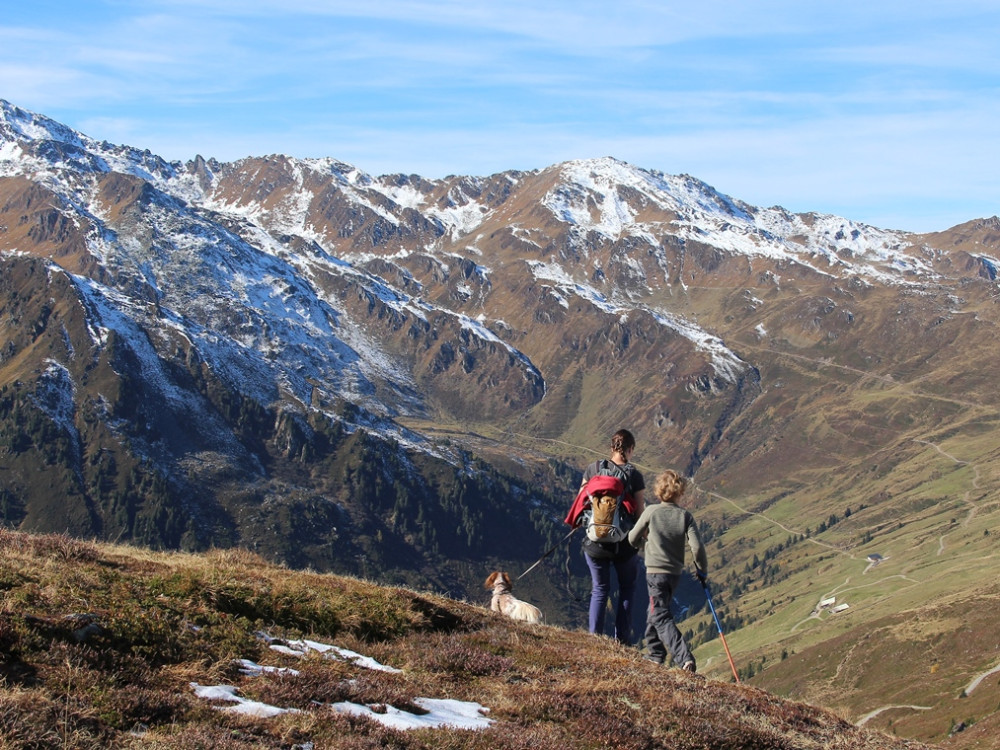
506 603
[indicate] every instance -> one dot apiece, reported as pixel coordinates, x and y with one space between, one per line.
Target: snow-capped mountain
246 315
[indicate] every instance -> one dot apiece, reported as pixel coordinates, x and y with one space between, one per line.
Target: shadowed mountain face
400 377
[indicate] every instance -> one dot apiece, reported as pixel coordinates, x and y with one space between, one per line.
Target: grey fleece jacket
669 527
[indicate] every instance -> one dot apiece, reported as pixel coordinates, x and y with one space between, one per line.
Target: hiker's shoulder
668 510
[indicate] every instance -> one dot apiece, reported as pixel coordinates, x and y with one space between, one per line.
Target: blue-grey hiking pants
662 635
627 571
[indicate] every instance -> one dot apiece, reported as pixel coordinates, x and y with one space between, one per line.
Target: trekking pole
539 560
708 595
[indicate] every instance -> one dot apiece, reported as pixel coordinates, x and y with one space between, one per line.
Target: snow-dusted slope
310 281
599 195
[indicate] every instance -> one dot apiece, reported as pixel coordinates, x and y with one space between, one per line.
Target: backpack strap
623 472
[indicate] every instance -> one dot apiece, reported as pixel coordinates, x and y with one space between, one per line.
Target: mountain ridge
421 367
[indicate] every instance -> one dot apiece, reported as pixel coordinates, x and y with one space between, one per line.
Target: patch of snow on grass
253 669
449 713
440 712
304 647
243 705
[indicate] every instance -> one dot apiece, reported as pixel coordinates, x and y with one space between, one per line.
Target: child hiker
667 528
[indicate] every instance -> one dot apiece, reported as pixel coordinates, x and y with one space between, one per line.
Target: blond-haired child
667 530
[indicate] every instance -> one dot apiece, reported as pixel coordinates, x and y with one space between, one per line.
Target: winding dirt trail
968 690
887 379
975 683
872 714
966 498
779 524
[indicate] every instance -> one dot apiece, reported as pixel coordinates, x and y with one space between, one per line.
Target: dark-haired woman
621 556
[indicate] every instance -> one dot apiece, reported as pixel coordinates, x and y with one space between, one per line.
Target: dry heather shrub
454 656
499 737
237 558
27 715
64 547
9 633
380 688
320 682
12 541
57 546
130 707
31 719
346 732
231 734
463 661
316 683
550 705
606 722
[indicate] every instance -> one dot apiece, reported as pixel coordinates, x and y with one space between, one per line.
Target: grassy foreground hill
105 646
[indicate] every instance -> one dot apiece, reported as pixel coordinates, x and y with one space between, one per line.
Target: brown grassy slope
100 645
920 624
911 659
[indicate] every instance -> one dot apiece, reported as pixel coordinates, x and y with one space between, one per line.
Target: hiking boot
689 667
654 659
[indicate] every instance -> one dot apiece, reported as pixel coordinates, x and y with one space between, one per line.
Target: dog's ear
506 579
491 581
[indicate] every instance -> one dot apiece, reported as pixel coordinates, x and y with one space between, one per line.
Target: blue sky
882 111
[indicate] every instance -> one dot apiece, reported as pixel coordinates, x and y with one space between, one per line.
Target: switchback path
779 524
971 686
887 379
967 497
872 714
975 683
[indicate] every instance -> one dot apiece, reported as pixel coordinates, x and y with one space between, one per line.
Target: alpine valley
401 379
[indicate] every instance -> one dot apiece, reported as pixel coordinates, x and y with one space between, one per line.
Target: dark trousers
662 635
627 571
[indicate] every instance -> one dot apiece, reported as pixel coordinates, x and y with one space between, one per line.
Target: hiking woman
666 528
603 557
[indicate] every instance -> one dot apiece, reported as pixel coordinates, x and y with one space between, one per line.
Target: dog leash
539 560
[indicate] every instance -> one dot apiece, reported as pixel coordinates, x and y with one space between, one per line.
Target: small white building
840 608
826 603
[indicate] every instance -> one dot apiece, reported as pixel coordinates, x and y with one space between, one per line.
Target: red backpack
604 508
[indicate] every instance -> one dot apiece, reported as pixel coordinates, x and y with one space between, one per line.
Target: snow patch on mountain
460 220
436 712
481 331
566 286
594 194
458 215
55 395
842 242
106 309
403 195
599 195
725 362
33 127
405 304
